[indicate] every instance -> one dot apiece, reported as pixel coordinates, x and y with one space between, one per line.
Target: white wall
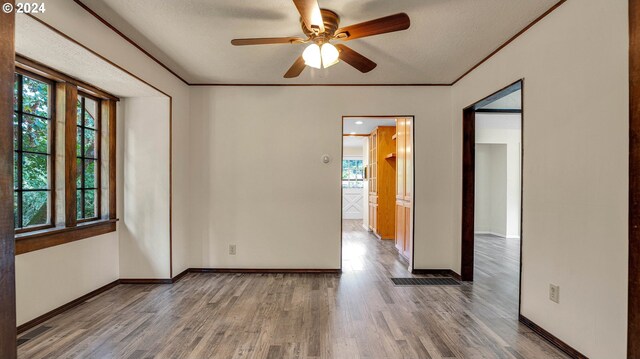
48 278
491 189
144 202
282 207
69 18
352 152
502 129
575 125
51 277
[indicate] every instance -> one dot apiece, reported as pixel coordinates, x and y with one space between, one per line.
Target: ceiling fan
321 26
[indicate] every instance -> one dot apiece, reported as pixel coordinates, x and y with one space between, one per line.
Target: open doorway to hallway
492 195
377 189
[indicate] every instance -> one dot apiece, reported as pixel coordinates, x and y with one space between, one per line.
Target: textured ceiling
40 43
446 37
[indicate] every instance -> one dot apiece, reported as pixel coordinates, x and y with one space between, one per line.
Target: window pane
79 204
34 171
90 174
34 208
15 131
79 111
90 143
15 209
90 113
35 97
35 133
15 91
79 173
15 170
79 143
90 203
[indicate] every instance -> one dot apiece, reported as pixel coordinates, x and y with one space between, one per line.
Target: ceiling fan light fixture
312 56
330 55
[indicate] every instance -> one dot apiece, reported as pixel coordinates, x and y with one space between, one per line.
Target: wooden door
400 227
400 157
408 159
406 248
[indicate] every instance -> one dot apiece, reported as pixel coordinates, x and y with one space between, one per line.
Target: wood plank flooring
359 314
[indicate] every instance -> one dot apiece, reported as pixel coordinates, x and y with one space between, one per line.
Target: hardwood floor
359 314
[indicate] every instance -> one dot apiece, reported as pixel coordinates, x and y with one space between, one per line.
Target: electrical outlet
554 293
232 249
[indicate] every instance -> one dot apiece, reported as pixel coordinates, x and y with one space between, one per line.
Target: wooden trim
63 308
44 71
498 111
441 272
322 85
265 270
566 348
112 113
633 320
554 7
107 24
180 276
8 347
468 193
170 187
145 281
70 143
34 241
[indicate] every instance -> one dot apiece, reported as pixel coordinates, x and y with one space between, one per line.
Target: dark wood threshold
442 272
566 348
63 308
35 240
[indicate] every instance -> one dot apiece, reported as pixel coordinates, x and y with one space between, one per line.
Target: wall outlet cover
554 293
232 249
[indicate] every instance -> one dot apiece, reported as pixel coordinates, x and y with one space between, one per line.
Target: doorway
492 191
377 187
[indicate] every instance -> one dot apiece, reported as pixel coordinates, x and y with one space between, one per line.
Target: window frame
64 227
353 180
52 150
97 159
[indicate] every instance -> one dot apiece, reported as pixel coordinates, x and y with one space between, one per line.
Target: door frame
8 343
468 181
413 193
633 297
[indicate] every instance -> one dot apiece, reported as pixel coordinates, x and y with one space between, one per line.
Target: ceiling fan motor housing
331 21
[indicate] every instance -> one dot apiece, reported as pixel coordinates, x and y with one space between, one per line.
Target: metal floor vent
425 281
32 334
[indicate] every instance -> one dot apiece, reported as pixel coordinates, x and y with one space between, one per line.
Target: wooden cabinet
382 182
404 186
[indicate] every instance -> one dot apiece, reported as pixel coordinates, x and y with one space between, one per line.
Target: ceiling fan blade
310 13
379 26
267 41
354 59
296 69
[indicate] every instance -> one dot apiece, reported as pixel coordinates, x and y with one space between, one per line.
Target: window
32 160
61 143
88 159
352 174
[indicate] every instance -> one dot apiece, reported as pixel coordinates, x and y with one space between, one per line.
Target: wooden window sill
36 240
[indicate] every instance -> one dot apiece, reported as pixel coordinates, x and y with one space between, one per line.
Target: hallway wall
286 232
575 68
